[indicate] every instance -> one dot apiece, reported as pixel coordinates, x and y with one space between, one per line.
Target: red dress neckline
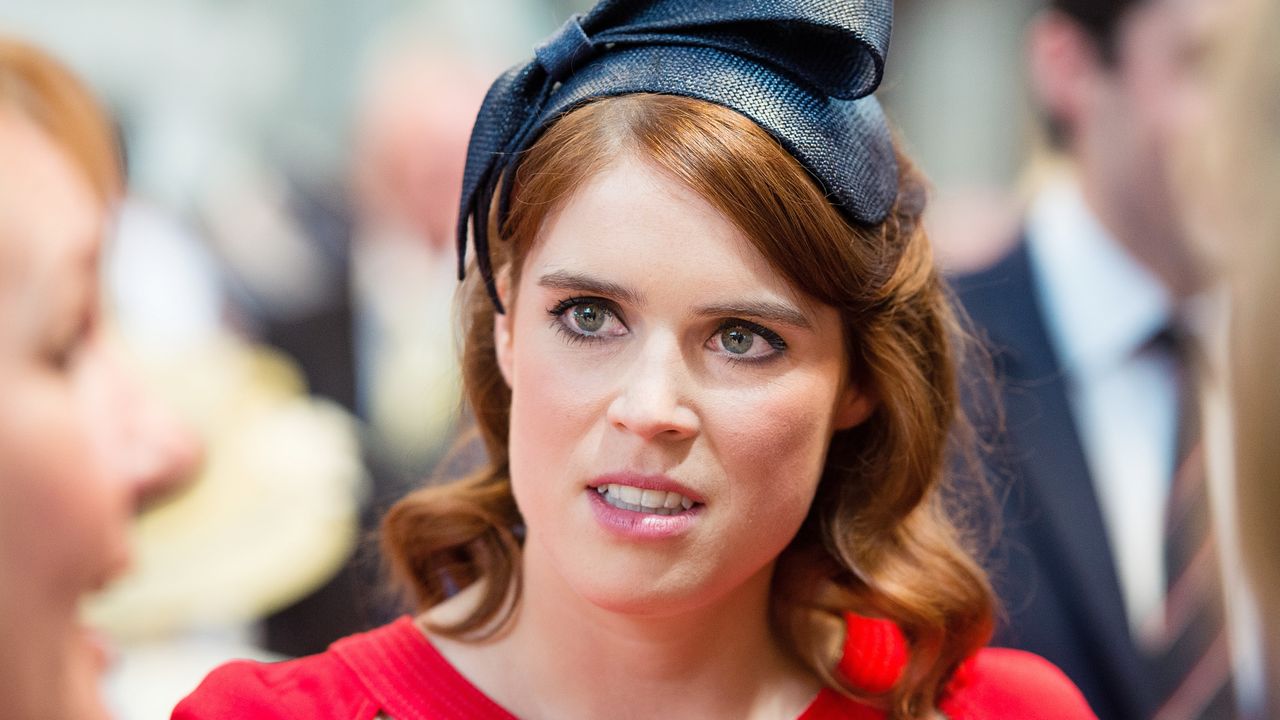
409 677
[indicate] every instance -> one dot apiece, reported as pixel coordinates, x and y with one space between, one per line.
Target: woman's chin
637 604
87 660
661 598
96 649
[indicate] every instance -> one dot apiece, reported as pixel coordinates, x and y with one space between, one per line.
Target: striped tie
1191 655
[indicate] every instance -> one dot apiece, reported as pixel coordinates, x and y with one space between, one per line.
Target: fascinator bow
803 70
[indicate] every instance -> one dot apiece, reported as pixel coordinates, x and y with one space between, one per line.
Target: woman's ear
854 406
502 335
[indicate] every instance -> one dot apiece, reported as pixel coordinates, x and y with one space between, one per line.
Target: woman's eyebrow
774 312
565 280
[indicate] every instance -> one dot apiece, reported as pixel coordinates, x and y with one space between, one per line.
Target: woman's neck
564 657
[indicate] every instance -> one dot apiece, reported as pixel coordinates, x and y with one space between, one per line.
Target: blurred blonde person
1230 180
81 446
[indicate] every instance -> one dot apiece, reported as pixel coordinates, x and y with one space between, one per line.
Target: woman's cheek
784 435
556 395
52 475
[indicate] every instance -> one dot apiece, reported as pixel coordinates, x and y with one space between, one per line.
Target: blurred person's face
1227 145
673 399
412 145
79 445
1140 109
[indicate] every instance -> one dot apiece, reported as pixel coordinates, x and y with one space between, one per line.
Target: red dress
396 671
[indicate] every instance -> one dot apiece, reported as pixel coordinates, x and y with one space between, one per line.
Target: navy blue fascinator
803 70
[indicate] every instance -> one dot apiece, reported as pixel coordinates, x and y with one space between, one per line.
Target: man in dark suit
1083 317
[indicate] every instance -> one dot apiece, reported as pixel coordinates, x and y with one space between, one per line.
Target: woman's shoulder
393 670
346 681
317 686
993 683
1001 682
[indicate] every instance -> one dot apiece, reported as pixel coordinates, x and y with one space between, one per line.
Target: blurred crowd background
283 269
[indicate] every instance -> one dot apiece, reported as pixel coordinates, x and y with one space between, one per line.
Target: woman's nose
653 401
158 453
166 455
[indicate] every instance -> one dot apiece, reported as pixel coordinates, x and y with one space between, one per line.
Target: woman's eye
588 319
61 356
737 341
59 359
741 340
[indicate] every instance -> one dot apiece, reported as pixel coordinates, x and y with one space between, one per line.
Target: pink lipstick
643 507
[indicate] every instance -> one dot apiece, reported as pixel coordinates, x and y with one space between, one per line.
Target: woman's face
79 444
657 360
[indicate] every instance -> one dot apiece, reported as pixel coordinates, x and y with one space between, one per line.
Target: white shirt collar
1099 303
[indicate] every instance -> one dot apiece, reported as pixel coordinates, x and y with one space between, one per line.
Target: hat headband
801 70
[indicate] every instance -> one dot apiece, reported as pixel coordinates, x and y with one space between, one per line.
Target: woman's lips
643 506
658 502
654 483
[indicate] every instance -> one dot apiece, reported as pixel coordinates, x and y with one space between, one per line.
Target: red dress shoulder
1005 683
313 687
994 683
393 670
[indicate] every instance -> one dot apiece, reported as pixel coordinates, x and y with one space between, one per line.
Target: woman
1251 177
80 447
1230 172
709 359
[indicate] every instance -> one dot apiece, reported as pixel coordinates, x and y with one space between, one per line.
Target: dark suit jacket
1053 567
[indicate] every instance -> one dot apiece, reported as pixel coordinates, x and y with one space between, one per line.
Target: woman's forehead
634 213
635 220
48 210
50 224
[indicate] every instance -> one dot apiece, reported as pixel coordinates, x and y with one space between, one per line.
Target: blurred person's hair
1100 19
1238 179
876 540
1100 22
39 88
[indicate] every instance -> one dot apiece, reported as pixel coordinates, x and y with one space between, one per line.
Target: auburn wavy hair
877 540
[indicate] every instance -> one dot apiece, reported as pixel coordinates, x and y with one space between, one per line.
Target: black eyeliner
774 339
560 326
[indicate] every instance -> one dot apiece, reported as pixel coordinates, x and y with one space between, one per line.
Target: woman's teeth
635 499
